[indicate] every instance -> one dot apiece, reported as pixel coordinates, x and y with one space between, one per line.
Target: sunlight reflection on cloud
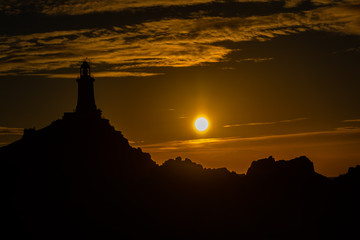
206 142
161 44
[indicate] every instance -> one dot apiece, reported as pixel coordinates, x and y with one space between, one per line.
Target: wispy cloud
211 142
256 60
80 7
352 120
3 144
264 123
131 49
11 131
100 74
77 7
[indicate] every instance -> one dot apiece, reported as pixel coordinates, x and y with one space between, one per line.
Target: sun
201 124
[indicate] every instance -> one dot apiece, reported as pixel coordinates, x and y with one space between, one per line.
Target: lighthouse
86 106
86 99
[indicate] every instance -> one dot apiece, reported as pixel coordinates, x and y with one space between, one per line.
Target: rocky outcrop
268 167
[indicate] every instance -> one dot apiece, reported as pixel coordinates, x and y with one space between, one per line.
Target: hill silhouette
79 178
82 179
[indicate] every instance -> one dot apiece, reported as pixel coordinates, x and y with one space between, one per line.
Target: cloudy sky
273 77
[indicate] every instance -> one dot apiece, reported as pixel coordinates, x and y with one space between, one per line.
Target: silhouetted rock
82 178
268 167
352 176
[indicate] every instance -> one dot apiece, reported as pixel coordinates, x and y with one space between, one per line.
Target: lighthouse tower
85 107
86 100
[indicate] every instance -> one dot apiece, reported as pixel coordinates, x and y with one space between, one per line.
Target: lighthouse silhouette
86 107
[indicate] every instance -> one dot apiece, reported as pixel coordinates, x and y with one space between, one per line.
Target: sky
274 78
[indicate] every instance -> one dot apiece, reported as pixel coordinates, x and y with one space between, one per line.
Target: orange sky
273 78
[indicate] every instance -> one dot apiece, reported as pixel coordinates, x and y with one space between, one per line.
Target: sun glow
201 124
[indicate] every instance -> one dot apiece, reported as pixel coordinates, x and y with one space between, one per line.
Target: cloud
134 47
77 7
256 60
352 120
100 74
80 7
11 131
131 49
292 3
264 123
188 145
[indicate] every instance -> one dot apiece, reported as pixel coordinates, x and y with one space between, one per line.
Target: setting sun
201 124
